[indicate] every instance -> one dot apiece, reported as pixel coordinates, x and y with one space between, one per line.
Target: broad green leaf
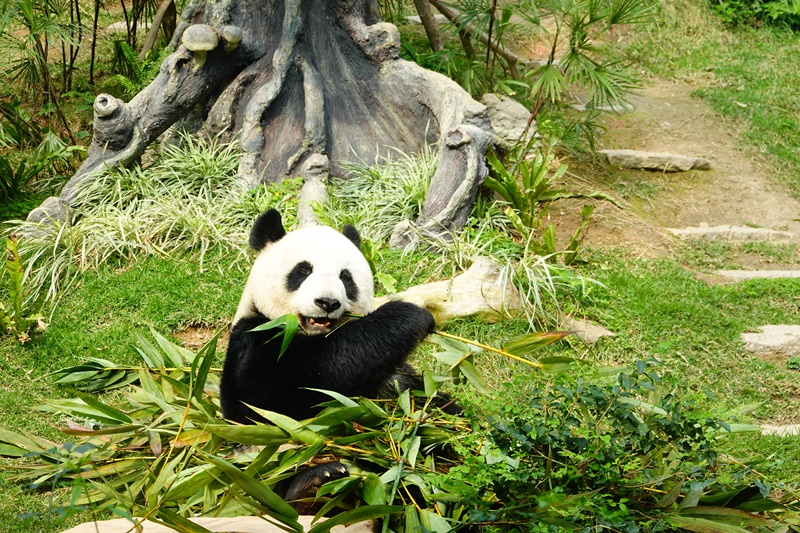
473 376
344 400
359 514
648 408
188 485
530 342
9 450
412 450
288 323
177 355
256 435
433 522
296 429
200 371
280 509
727 515
703 525
107 410
373 490
149 353
412 522
179 523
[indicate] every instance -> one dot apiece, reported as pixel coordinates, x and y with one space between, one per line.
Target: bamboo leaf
530 342
111 412
373 490
280 510
703 525
257 435
472 374
205 356
179 523
359 514
290 425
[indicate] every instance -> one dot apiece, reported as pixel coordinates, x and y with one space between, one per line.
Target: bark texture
308 85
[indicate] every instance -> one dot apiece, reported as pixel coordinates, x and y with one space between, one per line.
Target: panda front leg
359 358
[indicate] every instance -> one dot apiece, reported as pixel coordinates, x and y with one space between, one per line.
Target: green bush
754 12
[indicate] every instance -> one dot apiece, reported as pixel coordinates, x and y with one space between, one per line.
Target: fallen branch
454 16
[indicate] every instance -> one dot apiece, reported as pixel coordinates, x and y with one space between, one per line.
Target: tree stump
296 80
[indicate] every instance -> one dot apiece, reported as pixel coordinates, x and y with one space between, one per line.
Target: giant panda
319 275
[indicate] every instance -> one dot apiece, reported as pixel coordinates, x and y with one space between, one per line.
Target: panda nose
327 304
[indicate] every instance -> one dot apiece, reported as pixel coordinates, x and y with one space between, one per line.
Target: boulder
663 162
509 119
783 340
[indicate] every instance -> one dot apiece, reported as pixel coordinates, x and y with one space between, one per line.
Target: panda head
314 273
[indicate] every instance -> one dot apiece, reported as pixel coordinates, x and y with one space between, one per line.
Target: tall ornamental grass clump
188 201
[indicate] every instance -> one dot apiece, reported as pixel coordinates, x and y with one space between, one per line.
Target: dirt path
737 191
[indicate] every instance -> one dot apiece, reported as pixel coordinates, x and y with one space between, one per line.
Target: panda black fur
317 274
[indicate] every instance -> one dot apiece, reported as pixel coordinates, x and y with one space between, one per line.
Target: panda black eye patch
298 275
350 287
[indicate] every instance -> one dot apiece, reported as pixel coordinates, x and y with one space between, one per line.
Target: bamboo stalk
489 348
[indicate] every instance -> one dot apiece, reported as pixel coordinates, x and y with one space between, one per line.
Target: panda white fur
317 274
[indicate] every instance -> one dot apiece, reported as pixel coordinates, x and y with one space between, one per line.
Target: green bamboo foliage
558 448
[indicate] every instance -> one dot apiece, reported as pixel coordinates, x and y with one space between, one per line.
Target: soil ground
738 190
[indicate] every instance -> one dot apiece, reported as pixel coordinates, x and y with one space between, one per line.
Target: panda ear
266 229
351 233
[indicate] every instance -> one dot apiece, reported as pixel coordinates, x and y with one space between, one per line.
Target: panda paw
308 482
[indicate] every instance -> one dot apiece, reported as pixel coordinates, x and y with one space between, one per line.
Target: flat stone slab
239 524
774 340
661 161
586 331
414 19
733 234
744 275
781 431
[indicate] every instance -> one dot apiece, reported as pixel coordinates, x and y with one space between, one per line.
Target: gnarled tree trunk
310 85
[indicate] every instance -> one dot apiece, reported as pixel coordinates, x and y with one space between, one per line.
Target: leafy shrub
755 12
188 202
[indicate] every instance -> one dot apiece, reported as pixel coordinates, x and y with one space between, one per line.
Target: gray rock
509 118
51 209
315 177
733 234
119 28
774 340
663 162
744 275
240 524
781 431
414 19
586 331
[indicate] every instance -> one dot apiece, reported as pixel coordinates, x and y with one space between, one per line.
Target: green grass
98 319
750 76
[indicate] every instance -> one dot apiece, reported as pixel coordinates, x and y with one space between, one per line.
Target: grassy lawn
658 308
750 76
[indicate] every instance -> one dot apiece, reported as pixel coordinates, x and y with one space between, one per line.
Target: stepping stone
733 234
744 275
781 431
414 19
774 340
586 331
663 162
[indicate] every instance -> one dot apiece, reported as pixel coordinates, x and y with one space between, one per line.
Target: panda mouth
316 324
